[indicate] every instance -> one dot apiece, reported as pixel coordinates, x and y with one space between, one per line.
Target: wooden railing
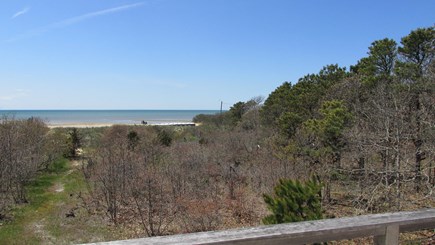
385 229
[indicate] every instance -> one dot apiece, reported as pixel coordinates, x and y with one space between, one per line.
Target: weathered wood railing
384 227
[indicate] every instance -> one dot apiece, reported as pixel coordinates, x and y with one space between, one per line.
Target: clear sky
182 54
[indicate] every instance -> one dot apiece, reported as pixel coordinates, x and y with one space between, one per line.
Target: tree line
373 123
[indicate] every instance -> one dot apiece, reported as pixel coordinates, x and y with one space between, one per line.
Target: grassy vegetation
43 220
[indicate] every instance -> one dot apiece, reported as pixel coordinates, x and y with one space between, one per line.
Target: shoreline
102 125
81 125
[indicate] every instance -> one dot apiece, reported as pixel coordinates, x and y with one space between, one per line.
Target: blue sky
182 54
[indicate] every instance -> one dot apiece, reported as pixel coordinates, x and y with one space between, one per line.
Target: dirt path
55 213
58 187
39 228
75 164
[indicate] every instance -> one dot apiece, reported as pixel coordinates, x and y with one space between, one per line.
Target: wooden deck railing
385 229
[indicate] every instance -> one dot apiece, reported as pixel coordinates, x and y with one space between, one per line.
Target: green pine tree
75 142
294 201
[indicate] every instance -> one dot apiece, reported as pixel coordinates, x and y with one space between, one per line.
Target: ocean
59 117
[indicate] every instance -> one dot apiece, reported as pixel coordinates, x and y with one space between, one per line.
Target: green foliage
75 142
56 146
335 117
383 54
45 212
307 93
205 118
380 62
237 111
215 120
297 103
418 48
277 103
331 74
133 139
233 117
58 166
294 201
165 138
250 120
407 71
289 122
364 67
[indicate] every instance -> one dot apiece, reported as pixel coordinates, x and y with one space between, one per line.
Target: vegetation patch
43 220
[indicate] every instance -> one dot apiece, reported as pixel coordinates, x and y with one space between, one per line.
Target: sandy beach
80 125
100 125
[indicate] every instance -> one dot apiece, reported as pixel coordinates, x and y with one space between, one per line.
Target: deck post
391 236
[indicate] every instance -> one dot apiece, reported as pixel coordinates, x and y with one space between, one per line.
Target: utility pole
221 119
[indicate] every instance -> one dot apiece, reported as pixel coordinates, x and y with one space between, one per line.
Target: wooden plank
385 225
391 236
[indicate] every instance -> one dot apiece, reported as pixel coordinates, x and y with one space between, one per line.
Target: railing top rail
302 232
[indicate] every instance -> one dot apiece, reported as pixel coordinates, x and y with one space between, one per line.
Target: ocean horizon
59 117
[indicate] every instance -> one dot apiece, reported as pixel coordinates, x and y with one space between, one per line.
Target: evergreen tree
380 62
289 105
75 142
278 102
417 51
294 201
165 138
237 111
329 129
133 140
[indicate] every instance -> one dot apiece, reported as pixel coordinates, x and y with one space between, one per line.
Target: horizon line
2 109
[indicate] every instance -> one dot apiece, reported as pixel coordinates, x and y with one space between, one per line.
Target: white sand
99 125
81 125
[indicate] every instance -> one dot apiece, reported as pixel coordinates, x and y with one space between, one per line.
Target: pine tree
165 138
75 142
294 201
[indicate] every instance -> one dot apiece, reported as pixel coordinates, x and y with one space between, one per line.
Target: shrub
294 201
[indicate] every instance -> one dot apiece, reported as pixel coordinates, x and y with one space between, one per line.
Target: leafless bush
22 153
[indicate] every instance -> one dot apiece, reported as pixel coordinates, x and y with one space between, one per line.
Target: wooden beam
384 227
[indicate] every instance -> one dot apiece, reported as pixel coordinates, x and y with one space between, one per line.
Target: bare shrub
22 153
